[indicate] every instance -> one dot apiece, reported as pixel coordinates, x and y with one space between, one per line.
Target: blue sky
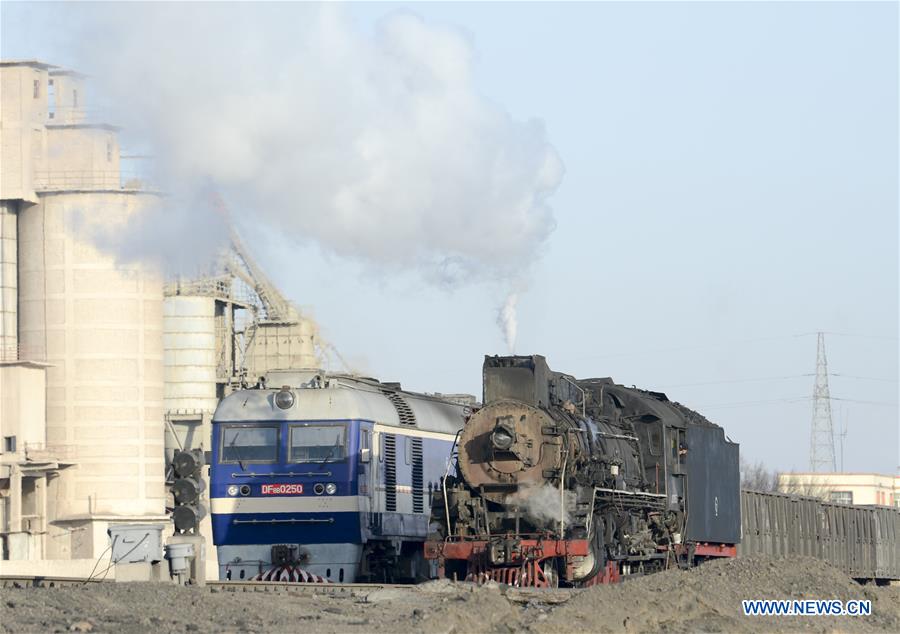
731 183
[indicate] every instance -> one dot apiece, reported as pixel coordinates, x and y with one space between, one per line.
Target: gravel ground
707 599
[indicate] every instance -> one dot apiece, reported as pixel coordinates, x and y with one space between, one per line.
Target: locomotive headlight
232 489
331 488
284 398
318 488
502 438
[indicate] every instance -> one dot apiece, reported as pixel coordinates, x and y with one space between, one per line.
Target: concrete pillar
15 499
40 505
9 300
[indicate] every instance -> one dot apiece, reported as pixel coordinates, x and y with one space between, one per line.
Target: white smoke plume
507 319
376 146
541 503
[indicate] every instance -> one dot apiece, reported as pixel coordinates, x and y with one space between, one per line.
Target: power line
774 378
719 344
797 399
853 400
753 380
850 334
863 378
706 346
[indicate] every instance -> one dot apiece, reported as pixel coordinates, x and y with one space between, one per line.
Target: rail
345 589
40 581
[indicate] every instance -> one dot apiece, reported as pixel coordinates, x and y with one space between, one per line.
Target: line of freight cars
862 541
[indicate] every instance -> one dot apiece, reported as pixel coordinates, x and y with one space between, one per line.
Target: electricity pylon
821 446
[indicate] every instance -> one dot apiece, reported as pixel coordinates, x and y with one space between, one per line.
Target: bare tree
802 484
757 477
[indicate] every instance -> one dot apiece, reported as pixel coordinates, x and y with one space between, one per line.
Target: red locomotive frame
525 565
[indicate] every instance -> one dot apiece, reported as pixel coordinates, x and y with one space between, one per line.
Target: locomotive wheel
596 559
551 574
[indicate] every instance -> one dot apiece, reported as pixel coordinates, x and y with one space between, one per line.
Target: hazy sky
730 186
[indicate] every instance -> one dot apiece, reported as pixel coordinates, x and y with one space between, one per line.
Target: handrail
278 474
49 180
311 520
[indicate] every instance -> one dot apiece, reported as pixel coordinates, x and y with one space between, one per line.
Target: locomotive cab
285 491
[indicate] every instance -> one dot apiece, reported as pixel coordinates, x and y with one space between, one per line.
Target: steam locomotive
565 481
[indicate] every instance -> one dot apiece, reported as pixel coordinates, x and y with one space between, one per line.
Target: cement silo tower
97 322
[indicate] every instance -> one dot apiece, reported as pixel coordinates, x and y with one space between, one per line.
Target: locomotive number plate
282 489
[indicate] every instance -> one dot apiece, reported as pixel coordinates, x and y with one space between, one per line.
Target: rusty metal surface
503 447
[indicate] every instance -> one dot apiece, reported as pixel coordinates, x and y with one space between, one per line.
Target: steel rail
346 589
41 581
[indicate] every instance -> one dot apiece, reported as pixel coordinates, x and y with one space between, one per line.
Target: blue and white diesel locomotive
327 477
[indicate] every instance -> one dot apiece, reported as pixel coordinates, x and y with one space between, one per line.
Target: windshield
249 444
318 443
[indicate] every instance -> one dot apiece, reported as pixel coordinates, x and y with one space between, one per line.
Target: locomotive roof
654 403
343 397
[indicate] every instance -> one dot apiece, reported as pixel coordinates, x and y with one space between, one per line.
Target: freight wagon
862 541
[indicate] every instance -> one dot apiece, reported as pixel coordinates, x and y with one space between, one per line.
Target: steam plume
507 319
541 504
378 147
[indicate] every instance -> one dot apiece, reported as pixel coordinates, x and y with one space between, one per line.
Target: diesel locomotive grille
390 472
404 411
418 484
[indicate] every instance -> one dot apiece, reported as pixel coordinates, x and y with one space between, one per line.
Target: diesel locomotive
327 478
565 481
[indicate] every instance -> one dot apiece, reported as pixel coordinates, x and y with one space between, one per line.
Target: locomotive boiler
571 481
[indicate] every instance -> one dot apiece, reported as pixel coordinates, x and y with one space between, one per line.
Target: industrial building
844 488
103 364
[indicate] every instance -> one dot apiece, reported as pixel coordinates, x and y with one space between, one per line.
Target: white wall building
844 488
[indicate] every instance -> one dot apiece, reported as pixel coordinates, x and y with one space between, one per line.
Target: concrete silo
94 322
98 322
189 341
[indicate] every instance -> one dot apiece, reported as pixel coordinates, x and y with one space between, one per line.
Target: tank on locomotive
326 477
553 466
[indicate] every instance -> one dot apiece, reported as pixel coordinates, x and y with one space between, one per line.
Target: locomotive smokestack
520 378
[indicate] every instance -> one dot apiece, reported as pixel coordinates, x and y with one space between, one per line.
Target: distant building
844 488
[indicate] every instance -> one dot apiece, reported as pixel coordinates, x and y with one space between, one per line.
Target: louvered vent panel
418 481
404 411
390 472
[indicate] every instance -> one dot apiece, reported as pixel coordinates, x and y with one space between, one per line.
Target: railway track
339 589
40 581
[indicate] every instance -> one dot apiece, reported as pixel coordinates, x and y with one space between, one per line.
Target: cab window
244 443
318 443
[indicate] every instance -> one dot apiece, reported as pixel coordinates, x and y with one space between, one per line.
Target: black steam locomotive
581 481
